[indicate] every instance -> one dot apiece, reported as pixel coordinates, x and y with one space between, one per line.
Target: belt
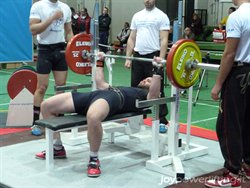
52 46
150 54
119 93
240 64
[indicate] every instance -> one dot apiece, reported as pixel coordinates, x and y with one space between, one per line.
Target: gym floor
121 167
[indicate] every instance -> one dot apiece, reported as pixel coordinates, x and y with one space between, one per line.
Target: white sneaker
228 180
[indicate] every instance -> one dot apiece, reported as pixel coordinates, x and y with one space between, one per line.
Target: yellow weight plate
183 51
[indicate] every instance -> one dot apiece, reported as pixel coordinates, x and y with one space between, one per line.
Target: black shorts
50 58
82 101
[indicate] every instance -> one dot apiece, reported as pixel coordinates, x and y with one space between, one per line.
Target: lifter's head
145 83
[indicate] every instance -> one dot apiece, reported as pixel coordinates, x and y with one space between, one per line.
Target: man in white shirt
148 38
232 84
50 20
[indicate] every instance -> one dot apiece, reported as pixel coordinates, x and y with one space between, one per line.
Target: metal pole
189 116
95 39
206 66
191 65
131 58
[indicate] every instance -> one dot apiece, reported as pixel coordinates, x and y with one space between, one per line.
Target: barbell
183 63
86 54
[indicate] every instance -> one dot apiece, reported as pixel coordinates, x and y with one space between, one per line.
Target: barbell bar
86 54
183 64
194 64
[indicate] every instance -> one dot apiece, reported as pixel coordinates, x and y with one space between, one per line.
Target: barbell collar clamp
194 64
191 64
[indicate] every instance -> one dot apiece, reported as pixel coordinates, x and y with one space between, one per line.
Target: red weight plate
22 79
73 53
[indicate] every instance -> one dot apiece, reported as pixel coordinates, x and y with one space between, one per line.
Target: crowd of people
148 38
80 21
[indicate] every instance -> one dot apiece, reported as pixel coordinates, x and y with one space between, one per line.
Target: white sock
93 154
57 144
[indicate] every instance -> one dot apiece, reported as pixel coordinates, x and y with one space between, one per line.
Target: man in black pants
148 38
232 83
104 23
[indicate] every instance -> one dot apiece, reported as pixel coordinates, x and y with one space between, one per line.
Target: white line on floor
203 104
208 119
5 72
4 104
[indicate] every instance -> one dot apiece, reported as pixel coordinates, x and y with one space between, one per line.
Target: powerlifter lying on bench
97 106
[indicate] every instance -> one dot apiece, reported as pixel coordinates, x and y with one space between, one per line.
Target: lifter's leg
54 106
95 116
51 108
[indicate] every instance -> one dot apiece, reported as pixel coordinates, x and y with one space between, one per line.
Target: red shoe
58 154
227 181
94 168
245 171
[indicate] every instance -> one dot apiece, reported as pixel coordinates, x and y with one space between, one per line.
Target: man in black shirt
97 106
104 23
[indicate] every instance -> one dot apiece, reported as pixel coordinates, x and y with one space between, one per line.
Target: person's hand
215 92
157 61
128 63
101 56
58 14
157 66
123 39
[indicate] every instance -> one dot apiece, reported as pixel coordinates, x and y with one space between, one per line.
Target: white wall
200 4
216 10
223 8
120 11
212 12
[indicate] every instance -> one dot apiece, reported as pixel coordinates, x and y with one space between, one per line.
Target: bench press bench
176 151
71 121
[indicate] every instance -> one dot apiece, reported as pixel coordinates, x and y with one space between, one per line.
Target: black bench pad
74 120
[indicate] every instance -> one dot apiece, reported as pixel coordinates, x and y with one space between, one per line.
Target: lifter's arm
155 87
99 75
